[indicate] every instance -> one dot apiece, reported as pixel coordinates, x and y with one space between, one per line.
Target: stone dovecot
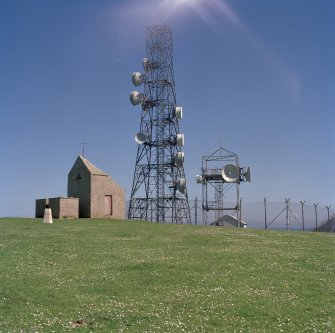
99 195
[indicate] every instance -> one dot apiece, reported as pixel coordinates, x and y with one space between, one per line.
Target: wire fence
284 215
328 225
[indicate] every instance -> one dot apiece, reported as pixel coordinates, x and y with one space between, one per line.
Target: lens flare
170 7
215 12
217 15
183 2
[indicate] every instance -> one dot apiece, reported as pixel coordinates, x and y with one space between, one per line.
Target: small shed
100 196
61 207
228 221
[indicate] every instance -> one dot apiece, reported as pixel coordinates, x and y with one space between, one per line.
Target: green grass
119 276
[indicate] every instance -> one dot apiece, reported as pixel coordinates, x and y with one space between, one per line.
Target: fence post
196 211
316 215
328 218
240 215
265 214
287 213
302 215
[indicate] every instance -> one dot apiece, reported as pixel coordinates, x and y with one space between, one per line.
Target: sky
256 77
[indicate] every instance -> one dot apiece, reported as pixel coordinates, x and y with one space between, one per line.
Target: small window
78 176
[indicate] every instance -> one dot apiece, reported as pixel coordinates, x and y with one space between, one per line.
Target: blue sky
259 76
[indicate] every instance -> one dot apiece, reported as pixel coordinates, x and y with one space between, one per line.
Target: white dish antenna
179 158
179 112
199 179
180 140
247 175
141 138
230 173
135 97
137 78
147 64
181 185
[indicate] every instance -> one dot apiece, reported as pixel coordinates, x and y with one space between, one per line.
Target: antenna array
159 185
217 180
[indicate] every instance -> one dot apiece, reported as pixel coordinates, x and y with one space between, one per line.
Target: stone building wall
79 186
68 208
39 208
105 191
60 207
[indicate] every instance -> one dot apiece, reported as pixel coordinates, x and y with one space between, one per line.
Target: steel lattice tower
217 180
159 186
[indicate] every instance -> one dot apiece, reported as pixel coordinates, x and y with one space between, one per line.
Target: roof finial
84 143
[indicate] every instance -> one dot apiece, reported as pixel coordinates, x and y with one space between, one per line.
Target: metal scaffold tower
220 174
159 191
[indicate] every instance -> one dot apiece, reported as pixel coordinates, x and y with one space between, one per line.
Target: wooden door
108 205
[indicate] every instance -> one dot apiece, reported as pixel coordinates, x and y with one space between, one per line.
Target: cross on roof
84 143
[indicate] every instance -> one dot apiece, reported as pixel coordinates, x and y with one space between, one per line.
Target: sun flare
178 3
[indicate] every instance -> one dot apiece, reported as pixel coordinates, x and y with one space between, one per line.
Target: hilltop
121 276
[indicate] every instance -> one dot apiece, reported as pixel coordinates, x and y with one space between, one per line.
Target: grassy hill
120 276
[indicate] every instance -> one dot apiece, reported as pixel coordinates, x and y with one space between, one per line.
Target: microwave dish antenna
137 78
135 98
181 185
179 158
148 65
245 175
199 179
179 112
180 140
141 138
230 173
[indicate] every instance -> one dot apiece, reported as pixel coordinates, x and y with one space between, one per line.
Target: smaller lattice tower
221 175
159 185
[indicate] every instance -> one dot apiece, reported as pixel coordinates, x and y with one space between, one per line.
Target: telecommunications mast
159 191
221 175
